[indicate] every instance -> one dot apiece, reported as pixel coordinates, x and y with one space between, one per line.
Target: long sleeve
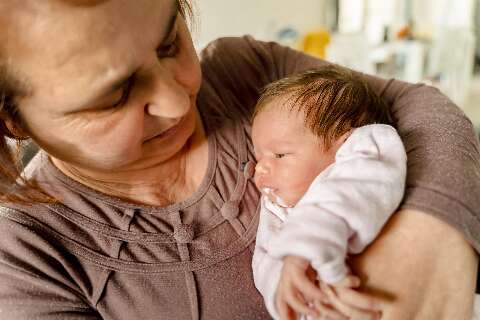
347 205
266 269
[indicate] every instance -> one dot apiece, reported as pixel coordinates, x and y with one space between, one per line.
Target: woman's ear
15 130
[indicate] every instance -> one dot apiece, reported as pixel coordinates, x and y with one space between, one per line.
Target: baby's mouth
270 193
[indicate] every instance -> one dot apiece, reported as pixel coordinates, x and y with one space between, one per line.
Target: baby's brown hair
334 100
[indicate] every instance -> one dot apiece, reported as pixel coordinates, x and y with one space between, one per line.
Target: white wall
263 18
432 16
260 18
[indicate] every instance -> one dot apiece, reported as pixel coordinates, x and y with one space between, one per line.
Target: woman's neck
169 182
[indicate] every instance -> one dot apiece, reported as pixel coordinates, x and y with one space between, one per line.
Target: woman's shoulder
236 69
233 75
230 46
28 242
272 60
17 225
37 266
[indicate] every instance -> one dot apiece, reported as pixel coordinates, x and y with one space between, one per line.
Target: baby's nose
260 174
260 169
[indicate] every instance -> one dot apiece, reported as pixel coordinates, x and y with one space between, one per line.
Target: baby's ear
340 140
345 136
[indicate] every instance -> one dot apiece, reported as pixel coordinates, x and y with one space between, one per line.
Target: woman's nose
165 97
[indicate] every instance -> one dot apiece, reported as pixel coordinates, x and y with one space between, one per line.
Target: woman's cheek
121 142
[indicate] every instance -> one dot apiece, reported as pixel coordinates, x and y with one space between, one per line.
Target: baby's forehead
286 111
284 104
279 117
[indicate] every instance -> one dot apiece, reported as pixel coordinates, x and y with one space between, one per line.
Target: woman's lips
170 131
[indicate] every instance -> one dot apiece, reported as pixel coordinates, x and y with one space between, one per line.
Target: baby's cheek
292 198
258 181
295 191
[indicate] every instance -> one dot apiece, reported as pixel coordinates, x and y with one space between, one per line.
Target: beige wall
261 18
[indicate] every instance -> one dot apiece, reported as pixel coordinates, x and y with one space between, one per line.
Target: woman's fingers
350 281
351 312
325 312
358 299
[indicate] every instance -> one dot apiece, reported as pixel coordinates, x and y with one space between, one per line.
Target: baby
331 171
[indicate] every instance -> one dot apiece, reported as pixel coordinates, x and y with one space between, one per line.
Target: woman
139 205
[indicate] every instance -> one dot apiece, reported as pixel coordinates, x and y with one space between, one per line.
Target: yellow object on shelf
315 43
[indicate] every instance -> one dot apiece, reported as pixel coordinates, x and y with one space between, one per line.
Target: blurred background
431 41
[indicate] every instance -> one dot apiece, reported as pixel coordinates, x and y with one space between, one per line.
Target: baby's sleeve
266 269
347 205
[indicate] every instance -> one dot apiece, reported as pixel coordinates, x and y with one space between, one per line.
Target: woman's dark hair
14 187
333 100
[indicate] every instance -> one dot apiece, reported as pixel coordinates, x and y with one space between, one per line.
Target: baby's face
289 156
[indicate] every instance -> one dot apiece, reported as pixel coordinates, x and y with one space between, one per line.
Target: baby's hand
352 303
296 289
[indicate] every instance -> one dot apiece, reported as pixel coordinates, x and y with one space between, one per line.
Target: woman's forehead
52 22
48 40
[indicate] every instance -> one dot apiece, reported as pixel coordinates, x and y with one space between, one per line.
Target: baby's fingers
297 303
308 289
284 311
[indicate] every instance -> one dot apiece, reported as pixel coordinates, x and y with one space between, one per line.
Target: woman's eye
280 155
125 93
168 50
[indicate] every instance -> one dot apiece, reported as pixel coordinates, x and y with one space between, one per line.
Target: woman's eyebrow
171 21
121 81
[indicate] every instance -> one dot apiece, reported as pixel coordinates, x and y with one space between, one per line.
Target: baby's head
299 123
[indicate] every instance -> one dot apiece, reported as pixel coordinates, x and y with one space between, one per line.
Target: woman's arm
422 267
424 259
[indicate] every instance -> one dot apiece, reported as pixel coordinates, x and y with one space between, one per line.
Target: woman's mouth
167 133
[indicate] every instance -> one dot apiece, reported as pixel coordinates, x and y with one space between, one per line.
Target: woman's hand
421 267
346 299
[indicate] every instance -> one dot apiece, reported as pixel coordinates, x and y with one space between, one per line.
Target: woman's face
110 86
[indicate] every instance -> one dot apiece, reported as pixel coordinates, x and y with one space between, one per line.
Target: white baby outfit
343 210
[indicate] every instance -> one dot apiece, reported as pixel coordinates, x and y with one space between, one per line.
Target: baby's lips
271 194
267 191
277 199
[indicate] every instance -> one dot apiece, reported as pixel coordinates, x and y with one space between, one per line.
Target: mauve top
98 257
